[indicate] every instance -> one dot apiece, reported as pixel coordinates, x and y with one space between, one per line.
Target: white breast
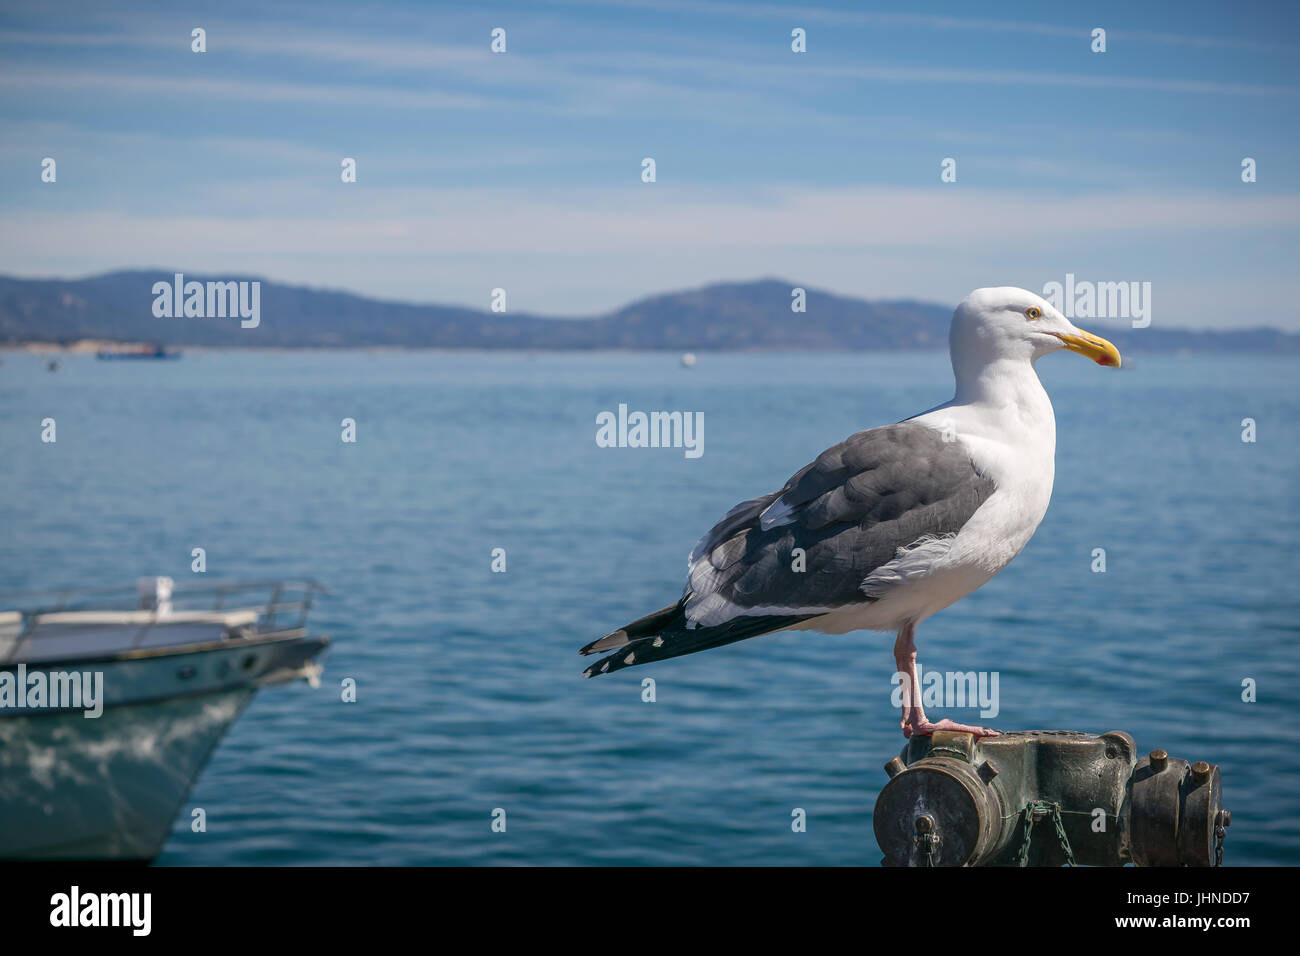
1013 442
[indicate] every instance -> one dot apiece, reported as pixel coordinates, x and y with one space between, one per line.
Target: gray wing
851 511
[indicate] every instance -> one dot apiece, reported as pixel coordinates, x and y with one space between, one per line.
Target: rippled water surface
469 694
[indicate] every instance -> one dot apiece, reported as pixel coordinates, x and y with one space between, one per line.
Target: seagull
894 523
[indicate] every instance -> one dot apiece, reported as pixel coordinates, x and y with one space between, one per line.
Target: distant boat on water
137 352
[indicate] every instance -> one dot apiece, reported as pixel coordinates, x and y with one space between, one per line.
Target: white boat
168 678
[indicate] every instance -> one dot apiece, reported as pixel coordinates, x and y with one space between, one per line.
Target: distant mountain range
735 316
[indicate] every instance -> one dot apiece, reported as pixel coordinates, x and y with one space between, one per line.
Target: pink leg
914 720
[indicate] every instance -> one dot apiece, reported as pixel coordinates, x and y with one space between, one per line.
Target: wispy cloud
523 169
485 234
868 18
170 86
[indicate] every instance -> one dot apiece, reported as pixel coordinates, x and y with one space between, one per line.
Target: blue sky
522 170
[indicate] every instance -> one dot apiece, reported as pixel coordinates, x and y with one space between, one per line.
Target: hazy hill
728 316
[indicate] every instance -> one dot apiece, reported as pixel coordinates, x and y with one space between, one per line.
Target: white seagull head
1006 323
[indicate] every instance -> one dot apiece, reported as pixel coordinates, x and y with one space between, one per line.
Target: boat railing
274 600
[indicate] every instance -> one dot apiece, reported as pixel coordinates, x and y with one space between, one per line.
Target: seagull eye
1034 312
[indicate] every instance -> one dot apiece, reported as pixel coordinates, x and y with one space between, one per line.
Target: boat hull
74 787
107 788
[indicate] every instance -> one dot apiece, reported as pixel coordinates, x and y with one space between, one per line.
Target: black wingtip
607 643
664 619
592 671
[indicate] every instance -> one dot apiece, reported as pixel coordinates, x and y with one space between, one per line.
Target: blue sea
469 694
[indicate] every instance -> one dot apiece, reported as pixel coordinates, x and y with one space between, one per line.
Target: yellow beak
1092 346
